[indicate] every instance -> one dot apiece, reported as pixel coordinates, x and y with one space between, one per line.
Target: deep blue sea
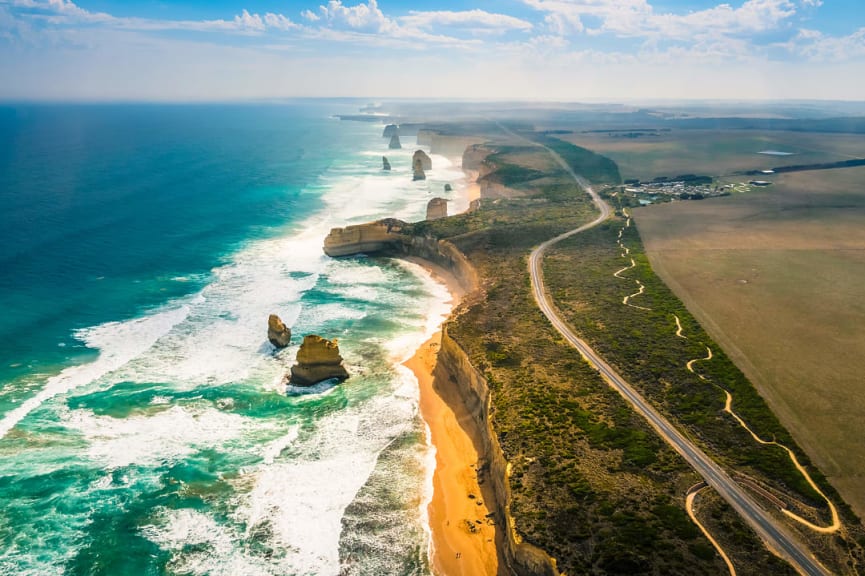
144 426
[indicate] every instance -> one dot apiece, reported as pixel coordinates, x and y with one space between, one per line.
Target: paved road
777 537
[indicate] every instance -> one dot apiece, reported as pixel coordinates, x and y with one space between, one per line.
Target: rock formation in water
317 359
394 142
420 158
390 130
385 165
278 333
448 188
437 208
420 162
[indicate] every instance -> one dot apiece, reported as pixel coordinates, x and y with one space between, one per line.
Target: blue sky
194 50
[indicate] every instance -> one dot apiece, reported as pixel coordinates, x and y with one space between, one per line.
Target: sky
553 50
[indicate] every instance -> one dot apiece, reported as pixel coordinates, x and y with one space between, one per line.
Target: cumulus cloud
816 46
66 12
469 18
367 17
638 18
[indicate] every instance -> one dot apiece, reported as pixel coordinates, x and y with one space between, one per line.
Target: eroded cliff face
366 238
386 237
277 332
318 359
476 157
436 208
455 373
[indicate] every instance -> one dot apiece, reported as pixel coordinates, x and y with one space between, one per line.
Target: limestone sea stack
390 130
385 165
318 359
420 162
420 158
394 142
277 332
436 208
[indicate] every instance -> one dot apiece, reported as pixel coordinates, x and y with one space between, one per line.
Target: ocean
144 426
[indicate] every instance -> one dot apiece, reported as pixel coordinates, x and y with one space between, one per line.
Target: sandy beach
463 539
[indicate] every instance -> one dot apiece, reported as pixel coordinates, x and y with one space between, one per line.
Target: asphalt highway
776 536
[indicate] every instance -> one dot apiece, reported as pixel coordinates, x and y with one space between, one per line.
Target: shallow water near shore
145 429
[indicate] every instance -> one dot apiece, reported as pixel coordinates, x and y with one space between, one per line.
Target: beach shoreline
462 534
463 538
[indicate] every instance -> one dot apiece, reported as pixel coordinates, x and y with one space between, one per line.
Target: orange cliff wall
455 378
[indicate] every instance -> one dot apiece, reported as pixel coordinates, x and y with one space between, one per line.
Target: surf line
728 408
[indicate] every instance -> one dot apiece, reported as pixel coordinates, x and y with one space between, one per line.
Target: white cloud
816 46
638 18
470 18
279 22
367 17
247 21
562 24
310 15
66 12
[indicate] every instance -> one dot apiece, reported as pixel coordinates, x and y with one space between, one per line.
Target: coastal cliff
480 157
455 374
386 237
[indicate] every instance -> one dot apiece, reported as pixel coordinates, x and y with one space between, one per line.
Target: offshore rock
420 159
448 188
394 142
420 162
317 359
278 333
390 130
385 165
437 208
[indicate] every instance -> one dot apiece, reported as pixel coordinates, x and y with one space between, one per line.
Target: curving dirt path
728 408
625 254
632 265
679 328
689 507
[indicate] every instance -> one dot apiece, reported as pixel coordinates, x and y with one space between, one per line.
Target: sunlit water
145 427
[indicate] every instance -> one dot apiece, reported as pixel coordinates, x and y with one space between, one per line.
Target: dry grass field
776 277
716 152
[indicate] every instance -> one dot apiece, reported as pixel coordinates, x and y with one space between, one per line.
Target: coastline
462 538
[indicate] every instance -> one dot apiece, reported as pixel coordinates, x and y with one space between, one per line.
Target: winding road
775 535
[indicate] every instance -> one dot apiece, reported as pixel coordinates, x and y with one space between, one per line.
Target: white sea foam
303 498
118 342
219 554
166 436
307 476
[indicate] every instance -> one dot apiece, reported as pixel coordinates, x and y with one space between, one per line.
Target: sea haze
144 426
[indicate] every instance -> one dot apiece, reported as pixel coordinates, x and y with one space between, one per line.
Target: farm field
776 277
716 153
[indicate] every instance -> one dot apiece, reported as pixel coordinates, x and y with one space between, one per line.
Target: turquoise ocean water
143 425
